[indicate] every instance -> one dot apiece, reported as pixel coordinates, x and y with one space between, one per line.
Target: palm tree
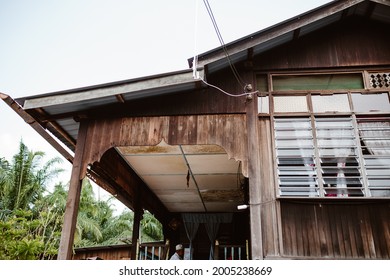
151 228
118 229
87 228
24 181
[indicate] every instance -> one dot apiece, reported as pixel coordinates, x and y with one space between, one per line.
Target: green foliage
23 238
151 228
31 217
23 182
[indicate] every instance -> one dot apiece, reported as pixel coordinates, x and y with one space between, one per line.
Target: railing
231 252
153 251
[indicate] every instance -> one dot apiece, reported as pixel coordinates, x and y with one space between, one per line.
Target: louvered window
333 156
338 157
375 138
295 157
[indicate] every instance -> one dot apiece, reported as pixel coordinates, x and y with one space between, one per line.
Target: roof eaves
140 87
275 31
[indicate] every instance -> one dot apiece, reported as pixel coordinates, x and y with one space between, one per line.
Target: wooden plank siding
202 101
339 230
268 195
226 130
115 252
352 42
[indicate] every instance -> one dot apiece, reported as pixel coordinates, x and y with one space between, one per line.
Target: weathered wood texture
337 231
350 42
228 131
201 101
269 203
115 252
73 199
255 183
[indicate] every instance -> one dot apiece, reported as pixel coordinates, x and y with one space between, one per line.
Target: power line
227 93
232 67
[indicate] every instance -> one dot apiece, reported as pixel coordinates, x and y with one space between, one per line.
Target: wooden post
138 211
254 179
73 200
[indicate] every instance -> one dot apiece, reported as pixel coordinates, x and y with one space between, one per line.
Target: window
338 157
318 81
371 102
295 157
331 133
337 154
290 104
330 103
374 135
263 104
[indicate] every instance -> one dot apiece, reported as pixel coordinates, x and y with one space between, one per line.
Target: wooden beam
138 211
137 88
72 203
120 98
36 126
254 167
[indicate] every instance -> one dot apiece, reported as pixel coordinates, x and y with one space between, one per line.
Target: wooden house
278 142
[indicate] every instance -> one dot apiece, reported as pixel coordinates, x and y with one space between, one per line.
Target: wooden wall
115 252
201 101
347 43
226 130
338 230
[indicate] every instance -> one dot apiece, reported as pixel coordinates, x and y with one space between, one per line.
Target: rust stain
222 195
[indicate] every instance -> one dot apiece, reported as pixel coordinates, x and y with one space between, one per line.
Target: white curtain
212 231
211 221
340 145
191 226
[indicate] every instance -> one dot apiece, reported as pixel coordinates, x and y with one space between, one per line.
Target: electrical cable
195 60
233 68
225 92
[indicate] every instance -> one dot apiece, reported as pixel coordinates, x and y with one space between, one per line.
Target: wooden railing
153 251
231 252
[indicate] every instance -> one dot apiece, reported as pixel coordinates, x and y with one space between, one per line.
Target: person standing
178 255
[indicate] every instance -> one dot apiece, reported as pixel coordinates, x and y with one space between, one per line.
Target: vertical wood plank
255 184
346 240
269 216
73 200
136 225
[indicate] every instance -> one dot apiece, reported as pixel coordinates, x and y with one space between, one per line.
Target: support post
254 167
136 225
73 200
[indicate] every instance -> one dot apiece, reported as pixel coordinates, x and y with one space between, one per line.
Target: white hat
179 247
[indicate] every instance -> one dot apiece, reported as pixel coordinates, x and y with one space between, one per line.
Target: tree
31 213
29 226
151 228
24 181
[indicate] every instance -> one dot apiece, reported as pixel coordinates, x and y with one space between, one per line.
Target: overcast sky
49 45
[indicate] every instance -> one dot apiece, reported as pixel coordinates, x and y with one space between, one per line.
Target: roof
292 29
59 109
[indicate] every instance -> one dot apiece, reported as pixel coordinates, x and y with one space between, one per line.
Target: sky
48 46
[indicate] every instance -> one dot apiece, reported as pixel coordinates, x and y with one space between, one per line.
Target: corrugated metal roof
99 95
64 105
